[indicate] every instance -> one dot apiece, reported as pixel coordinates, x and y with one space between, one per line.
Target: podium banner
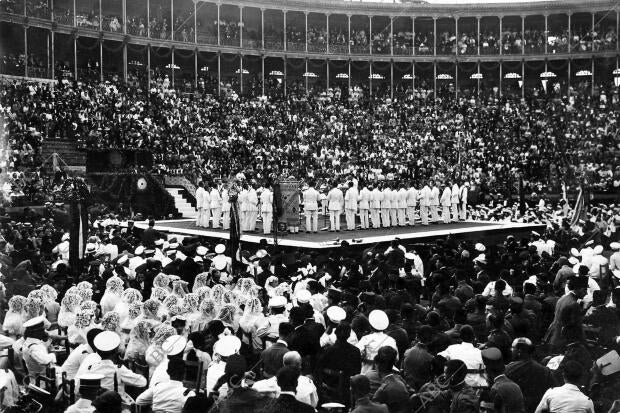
290 201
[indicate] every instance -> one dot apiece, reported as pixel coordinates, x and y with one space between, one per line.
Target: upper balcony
344 28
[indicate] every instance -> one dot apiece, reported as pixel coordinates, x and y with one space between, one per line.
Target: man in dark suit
360 389
286 402
273 357
567 312
149 236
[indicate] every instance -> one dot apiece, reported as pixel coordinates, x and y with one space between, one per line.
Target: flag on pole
234 240
578 210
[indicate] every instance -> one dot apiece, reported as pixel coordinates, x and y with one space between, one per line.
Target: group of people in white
388 204
213 206
381 205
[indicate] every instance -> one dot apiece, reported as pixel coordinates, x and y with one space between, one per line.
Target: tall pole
25 50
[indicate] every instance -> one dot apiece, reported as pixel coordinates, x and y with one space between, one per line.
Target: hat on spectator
378 320
139 250
615 246
219 262
107 341
220 248
200 250
573 260
227 346
174 345
303 296
522 341
65 236
480 247
278 301
336 314
575 252
598 250
492 356
90 380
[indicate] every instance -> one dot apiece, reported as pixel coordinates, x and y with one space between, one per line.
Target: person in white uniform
311 208
425 203
216 207
446 203
34 349
266 209
199 203
434 203
364 205
351 198
90 384
115 378
463 198
252 208
454 200
206 207
402 205
386 204
225 208
168 393
370 344
412 201
242 199
335 203
376 196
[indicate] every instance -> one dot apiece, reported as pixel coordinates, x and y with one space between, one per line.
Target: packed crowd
557 140
176 324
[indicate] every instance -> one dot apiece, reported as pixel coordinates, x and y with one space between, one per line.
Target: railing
338 49
295 47
424 50
403 50
112 24
63 17
206 38
274 44
317 48
360 49
230 41
252 43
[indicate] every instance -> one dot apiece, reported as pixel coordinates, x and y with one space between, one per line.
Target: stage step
185 208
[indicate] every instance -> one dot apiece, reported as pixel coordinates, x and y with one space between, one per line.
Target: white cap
336 314
107 341
227 346
535 233
173 246
159 242
65 236
139 250
198 258
219 262
481 258
201 250
480 248
409 256
575 252
220 248
378 320
261 253
598 250
33 321
587 244
303 296
122 259
277 301
615 245
573 260
174 345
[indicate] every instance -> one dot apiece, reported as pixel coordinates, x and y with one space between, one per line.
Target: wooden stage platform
488 232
